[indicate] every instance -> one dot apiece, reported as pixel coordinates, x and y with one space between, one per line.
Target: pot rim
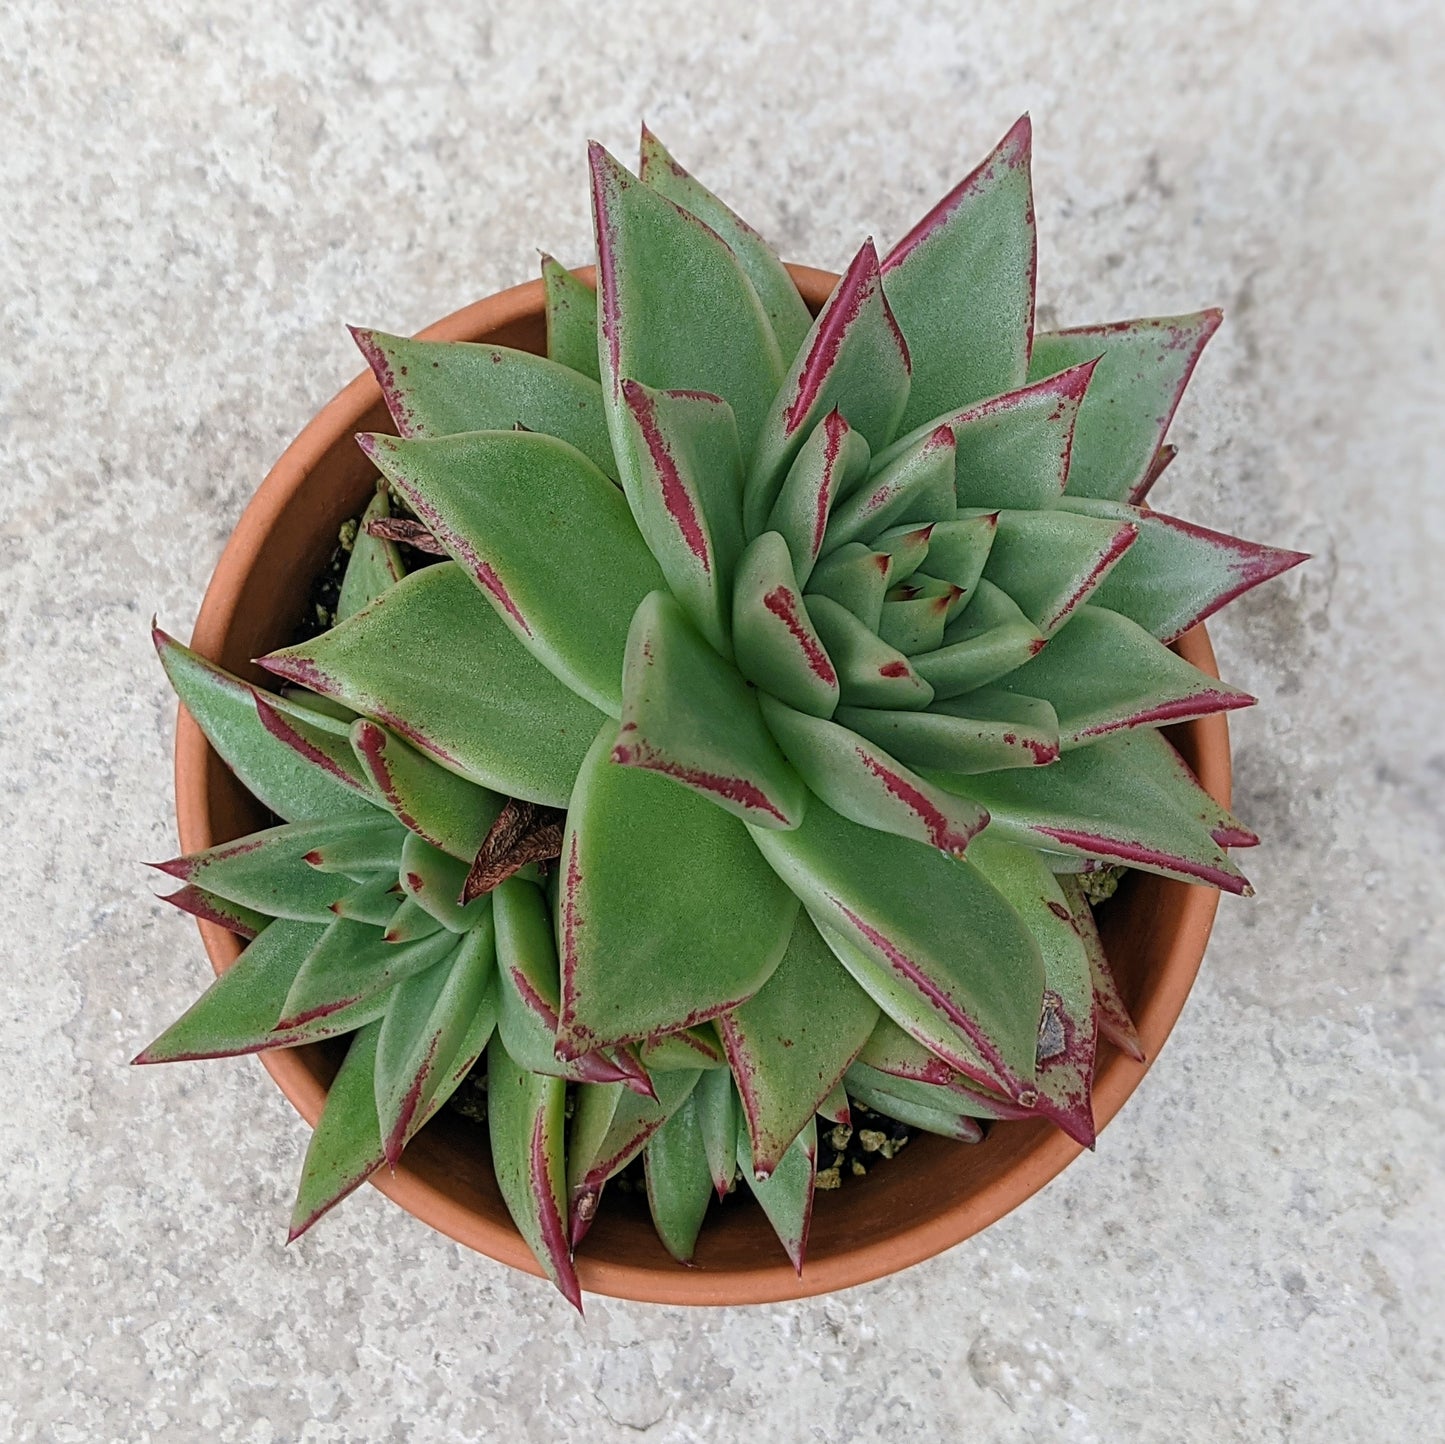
768 1281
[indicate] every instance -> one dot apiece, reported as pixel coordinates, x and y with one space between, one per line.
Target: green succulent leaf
1067 1030
441 388
913 618
1177 574
870 672
687 1048
374 565
677 311
682 472
1102 673
854 360
958 550
544 534
679 1181
268 870
238 1012
832 460
1050 562
941 1118
571 306
856 577
530 993
224 707
967 992
777 645
666 913
426 1019
321 747
1115 1024
786 310
436 880
448 811
688 715
1143 369
863 783
1127 799
352 965
525 1114
493 713
961 283
410 922
788 1049
786 1194
981 732
718 1115
234 917
911 488
373 900
988 639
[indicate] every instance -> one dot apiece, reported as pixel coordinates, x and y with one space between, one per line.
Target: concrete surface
193 203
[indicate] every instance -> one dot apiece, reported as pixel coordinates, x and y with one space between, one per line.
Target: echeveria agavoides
783 678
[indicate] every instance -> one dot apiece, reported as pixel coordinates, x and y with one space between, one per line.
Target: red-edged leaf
211 908
832 460
1114 1021
786 1194
870 672
909 489
962 284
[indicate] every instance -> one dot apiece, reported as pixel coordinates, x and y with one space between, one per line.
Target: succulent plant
843 642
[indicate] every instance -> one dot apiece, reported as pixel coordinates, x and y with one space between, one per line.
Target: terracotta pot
933 1195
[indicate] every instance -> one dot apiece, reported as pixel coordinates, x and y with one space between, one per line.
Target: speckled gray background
192 203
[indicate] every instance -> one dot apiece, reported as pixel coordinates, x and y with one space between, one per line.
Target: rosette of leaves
844 642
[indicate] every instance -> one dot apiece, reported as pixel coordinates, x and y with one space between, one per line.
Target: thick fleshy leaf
351 965
679 1181
910 489
425 1021
436 880
688 715
238 1012
677 310
833 459
891 1051
267 870
1143 369
905 546
913 617
791 1043
1127 799
864 784
492 713
1103 673
666 914
988 639
786 1194
323 713
1177 574
1051 562
1067 1028
854 360
448 811
410 922
441 388
373 900
322 748
786 310
609 1128
718 1111
929 938
687 1048
224 707
345 1148
1114 1021
947 1121
374 565
835 1107
525 1114
776 644
209 907
870 672
980 732
530 992
571 306
961 283
544 534
856 578
958 550
682 472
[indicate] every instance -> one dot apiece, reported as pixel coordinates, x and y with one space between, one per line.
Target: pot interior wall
254 607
